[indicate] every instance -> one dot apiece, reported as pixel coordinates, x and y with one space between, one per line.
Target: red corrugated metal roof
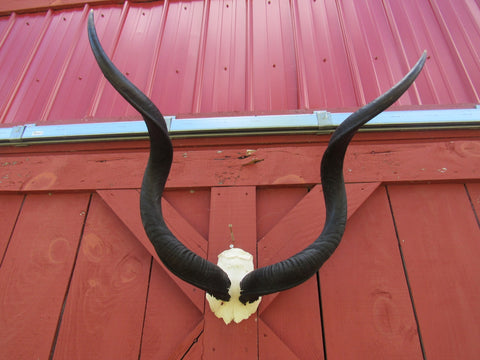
234 56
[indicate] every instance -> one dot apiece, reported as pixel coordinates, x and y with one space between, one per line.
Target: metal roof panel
227 56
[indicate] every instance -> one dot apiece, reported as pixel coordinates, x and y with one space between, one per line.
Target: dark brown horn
300 267
202 273
177 258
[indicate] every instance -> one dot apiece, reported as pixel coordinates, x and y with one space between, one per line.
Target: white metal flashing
317 122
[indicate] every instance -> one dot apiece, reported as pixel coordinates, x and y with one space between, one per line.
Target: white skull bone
236 263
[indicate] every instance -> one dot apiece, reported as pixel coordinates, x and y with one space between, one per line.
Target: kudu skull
233 287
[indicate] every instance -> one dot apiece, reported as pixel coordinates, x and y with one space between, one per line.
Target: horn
177 258
300 267
242 289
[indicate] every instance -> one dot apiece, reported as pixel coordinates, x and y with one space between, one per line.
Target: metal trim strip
317 122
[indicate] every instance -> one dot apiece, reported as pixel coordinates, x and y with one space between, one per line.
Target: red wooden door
79 279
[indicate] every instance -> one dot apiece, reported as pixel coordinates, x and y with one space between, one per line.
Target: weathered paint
390 162
374 293
446 296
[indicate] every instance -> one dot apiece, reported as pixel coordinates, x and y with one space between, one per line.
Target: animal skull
236 263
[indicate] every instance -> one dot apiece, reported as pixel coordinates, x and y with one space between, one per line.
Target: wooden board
363 292
273 203
292 319
36 271
125 204
104 312
193 205
233 206
299 327
9 209
365 299
174 309
427 161
172 322
302 225
440 240
271 346
474 193
243 141
296 333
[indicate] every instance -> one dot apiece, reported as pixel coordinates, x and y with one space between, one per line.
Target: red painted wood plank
125 204
272 205
172 322
103 316
36 271
191 348
193 205
9 208
474 192
231 206
271 346
440 240
302 225
252 141
427 161
232 211
366 305
195 352
294 316
300 323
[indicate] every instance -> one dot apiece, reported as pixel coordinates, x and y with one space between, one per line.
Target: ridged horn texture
177 258
194 269
300 267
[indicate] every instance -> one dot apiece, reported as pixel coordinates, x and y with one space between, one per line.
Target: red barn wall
78 278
